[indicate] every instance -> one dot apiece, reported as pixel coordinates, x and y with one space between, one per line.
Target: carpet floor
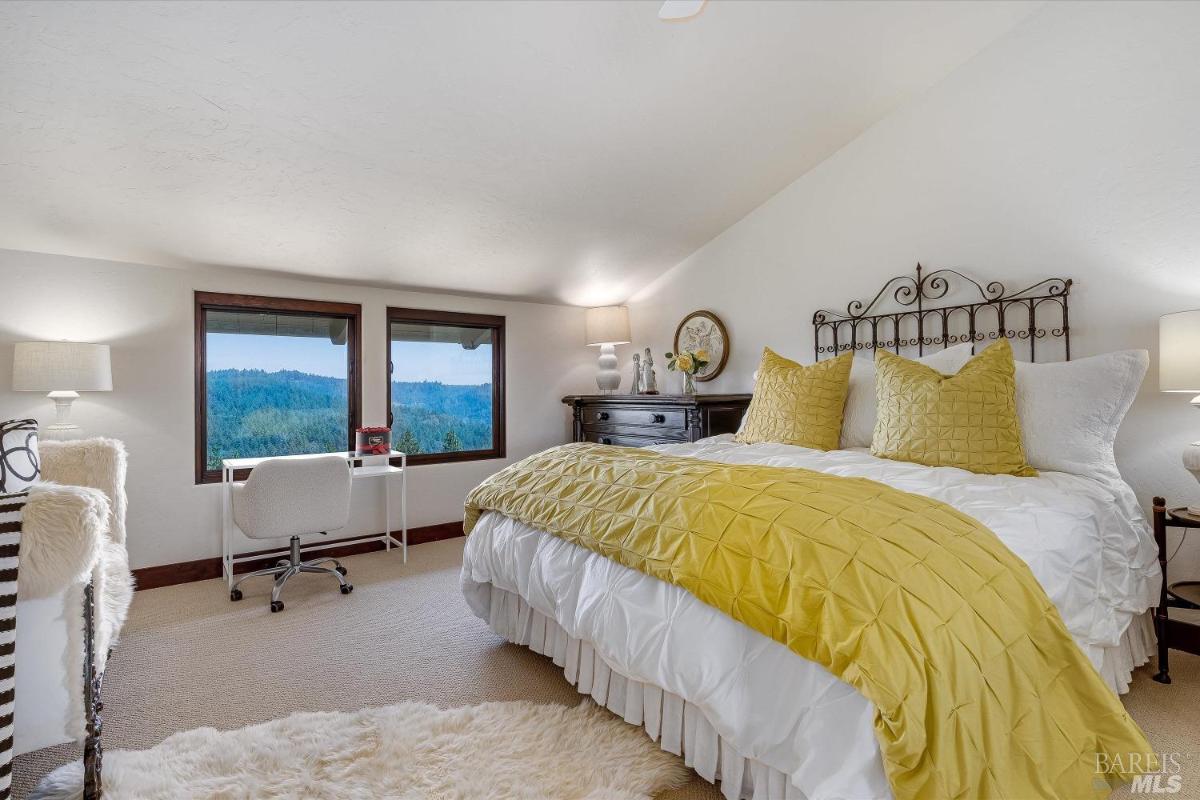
189 657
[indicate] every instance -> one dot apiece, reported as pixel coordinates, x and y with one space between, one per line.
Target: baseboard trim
207 568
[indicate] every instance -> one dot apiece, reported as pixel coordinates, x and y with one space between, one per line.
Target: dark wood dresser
636 420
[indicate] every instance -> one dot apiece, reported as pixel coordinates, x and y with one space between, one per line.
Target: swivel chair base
286 568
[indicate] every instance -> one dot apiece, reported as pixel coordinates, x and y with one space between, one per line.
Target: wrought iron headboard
910 322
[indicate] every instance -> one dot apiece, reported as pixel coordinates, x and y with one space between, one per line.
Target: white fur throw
74 531
499 751
96 463
64 526
101 465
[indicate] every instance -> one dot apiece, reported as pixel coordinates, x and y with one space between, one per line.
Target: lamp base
1191 462
62 412
608 378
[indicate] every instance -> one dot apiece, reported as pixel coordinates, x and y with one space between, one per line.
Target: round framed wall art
703 330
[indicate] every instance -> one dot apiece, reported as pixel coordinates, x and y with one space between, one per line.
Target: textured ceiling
553 151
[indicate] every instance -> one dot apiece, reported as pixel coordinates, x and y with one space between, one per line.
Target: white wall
145 313
1070 147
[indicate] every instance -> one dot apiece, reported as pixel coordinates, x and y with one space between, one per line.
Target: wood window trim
496 323
220 301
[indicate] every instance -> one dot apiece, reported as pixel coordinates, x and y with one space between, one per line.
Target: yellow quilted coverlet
980 690
967 420
798 404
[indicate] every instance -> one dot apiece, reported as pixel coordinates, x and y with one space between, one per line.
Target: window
274 377
446 386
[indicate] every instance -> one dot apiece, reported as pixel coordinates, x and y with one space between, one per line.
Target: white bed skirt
1134 649
680 727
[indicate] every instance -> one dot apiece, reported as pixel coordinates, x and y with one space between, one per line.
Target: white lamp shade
674 10
61 367
1179 352
608 325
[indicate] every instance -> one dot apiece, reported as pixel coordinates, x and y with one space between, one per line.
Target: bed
742 708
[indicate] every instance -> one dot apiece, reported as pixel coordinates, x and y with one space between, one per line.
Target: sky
441 361
414 361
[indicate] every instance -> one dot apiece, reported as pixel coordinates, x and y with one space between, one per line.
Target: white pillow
20 466
1070 410
858 419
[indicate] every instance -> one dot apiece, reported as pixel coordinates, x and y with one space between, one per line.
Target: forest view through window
275 383
446 396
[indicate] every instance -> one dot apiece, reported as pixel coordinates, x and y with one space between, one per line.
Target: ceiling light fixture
679 10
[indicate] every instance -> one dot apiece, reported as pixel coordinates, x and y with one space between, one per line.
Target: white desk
381 467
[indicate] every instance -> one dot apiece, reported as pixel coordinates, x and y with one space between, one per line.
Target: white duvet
1087 542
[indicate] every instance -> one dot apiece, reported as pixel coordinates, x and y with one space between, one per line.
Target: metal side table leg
92 751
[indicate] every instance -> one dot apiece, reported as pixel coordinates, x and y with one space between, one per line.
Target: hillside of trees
256 413
432 417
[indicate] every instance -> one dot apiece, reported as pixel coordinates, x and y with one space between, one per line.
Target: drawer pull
603 415
658 418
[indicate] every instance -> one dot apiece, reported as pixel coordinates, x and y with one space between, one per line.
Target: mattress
1086 541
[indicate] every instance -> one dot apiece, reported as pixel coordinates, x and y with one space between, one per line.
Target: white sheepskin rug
517 751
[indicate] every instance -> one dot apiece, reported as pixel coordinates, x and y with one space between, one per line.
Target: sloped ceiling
557 151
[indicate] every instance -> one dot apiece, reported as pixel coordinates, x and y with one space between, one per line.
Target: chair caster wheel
340 569
235 595
276 605
348 588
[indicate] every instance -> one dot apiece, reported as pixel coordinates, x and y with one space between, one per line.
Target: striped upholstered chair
72 560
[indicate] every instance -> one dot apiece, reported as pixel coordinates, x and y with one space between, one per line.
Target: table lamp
63 369
607 327
1179 370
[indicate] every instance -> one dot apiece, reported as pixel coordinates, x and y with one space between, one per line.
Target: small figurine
649 382
637 375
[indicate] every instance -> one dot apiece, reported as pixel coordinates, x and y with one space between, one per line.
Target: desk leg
226 508
404 506
1162 620
387 514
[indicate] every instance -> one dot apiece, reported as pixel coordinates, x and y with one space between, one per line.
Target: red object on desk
372 441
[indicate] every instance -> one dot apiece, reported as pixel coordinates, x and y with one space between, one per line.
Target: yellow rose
683 362
702 355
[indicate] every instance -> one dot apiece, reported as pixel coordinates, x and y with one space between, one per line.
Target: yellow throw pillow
967 420
797 404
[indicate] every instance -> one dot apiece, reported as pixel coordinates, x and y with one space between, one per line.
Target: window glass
276 384
442 391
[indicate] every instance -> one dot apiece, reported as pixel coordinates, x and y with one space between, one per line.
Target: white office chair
291 497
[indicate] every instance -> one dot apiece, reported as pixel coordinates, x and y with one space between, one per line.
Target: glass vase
689 385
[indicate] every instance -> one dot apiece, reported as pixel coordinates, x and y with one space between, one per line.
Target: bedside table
638 420
1181 594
